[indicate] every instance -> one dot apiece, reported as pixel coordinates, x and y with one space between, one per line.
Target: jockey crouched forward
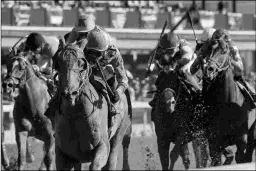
41 49
99 49
175 54
236 62
214 36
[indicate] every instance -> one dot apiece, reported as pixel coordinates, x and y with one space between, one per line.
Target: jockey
109 58
236 62
175 53
42 49
84 24
202 50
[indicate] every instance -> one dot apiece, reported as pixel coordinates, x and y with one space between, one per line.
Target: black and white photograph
128 85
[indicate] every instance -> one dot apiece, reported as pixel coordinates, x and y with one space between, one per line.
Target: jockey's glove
116 97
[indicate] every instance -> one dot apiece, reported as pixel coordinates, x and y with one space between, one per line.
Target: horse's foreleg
21 139
163 150
241 144
101 155
215 154
251 143
184 153
30 157
48 145
126 142
4 157
197 147
174 155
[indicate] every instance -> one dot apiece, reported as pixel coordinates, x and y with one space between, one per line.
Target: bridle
220 67
84 79
18 80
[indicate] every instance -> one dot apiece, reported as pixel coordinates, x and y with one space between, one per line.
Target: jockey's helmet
169 41
98 40
207 34
169 44
35 41
221 34
98 43
85 23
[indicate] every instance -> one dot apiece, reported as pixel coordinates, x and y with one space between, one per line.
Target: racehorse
81 120
29 108
227 116
174 120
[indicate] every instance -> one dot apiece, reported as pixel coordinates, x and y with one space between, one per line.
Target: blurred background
135 26
125 19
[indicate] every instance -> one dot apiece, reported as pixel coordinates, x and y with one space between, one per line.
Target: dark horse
175 120
81 121
227 115
29 108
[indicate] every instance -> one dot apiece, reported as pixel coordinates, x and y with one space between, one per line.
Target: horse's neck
90 92
224 86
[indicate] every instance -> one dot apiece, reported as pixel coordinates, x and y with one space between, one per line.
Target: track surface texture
143 155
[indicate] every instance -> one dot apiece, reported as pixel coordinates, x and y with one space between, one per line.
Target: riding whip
191 23
154 54
12 48
104 79
182 19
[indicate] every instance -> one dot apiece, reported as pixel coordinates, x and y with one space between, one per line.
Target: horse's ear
61 42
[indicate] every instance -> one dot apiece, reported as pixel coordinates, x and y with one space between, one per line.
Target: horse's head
73 71
168 100
219 60
17 73
169 89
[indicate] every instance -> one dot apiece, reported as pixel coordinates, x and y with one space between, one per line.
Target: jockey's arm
187 55
185 62
236 61
201 54
118 65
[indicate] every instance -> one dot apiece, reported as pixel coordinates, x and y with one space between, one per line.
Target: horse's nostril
74 93
10 85
173 102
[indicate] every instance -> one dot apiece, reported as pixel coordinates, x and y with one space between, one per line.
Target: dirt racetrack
142 155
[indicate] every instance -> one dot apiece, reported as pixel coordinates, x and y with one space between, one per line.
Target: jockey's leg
192 80
249 88
102 90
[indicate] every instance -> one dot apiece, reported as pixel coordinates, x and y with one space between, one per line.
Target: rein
220 67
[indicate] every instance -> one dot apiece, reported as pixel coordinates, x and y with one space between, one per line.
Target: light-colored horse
29 108
81 121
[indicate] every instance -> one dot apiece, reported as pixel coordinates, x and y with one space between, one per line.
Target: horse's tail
127 93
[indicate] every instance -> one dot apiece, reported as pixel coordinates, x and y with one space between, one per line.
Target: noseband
83 80
220 66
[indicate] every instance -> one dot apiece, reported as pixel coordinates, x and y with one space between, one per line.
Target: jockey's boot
250 90
4 157
111 106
